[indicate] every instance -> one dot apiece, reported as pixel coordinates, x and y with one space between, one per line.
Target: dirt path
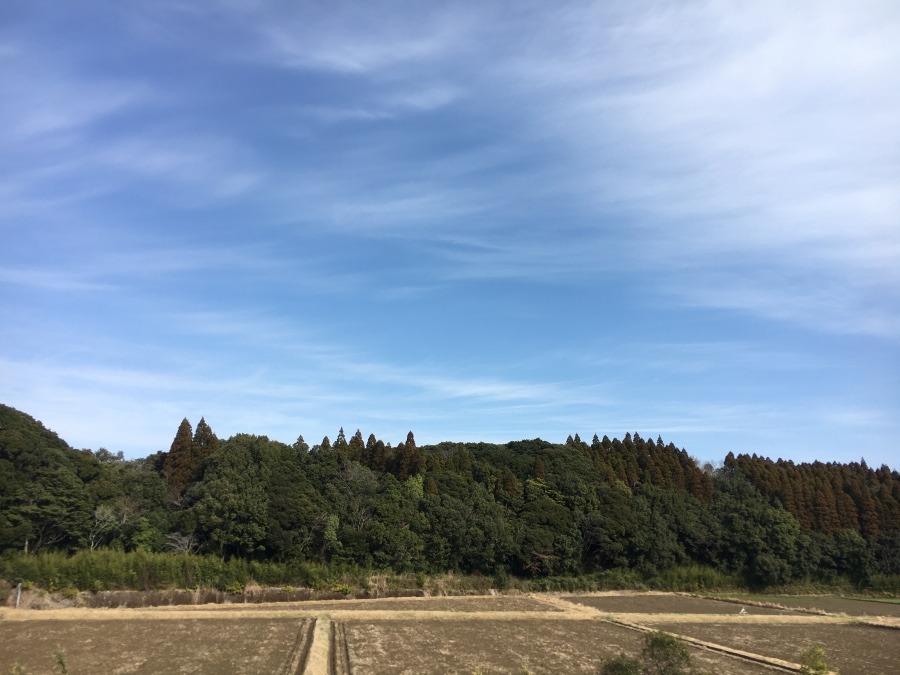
317 661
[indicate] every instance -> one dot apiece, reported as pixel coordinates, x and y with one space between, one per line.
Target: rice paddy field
538 633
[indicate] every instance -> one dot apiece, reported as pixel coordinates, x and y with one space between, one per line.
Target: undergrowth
111 570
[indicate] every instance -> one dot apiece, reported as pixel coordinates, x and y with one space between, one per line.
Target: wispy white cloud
389 106
825 306
350 41
49 279
50 109
210 168
244 177
693 358
760 133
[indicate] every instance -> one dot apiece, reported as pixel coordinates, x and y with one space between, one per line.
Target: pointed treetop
185 431
205 440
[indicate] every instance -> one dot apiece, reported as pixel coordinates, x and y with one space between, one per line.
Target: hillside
528 508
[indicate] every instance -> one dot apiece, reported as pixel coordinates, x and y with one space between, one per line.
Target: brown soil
565 646
667 604
152 646
851 649
476 603
837 605
541 633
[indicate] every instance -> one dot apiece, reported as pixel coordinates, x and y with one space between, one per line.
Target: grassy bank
109 570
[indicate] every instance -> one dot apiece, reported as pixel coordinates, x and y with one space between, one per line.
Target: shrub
812 661
69 592
619 579
501 579
693 578
886 583
665 654
234 588
61 662
621 665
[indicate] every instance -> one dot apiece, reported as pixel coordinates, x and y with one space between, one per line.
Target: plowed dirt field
539 633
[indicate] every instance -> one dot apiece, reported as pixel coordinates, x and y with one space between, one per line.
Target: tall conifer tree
177 467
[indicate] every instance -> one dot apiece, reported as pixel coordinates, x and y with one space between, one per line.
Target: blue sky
478 221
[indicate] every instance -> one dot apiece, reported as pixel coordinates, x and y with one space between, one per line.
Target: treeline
530 509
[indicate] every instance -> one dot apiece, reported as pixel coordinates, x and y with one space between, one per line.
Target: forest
526 509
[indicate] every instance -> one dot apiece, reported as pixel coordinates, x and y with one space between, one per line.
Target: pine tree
537 469
187 453
177 464
357 447
205 442
379 459
368 452
340 444
508 483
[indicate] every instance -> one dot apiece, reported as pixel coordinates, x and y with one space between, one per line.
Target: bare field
668 603
570 646
463 603
832 603
851 649
540 633
153 646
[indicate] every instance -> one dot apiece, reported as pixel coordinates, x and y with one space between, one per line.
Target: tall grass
107 569
694 578
140 570
886 583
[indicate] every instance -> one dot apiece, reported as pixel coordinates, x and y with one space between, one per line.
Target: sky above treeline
479 221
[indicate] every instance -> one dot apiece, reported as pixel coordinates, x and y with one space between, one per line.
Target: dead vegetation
540 633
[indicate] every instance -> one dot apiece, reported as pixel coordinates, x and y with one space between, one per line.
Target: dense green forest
528 509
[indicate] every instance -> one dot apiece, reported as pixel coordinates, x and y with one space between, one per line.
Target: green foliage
759 540
886 583
665 654
662 654
812 661
61 661
69 592
622 665
693 578
234 588
231 504
609 514
500 581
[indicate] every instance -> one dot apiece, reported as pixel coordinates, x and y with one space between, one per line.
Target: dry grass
540 632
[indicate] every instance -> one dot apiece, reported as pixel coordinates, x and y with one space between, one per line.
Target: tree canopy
530 507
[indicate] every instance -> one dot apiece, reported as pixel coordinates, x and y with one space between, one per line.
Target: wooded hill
527 508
